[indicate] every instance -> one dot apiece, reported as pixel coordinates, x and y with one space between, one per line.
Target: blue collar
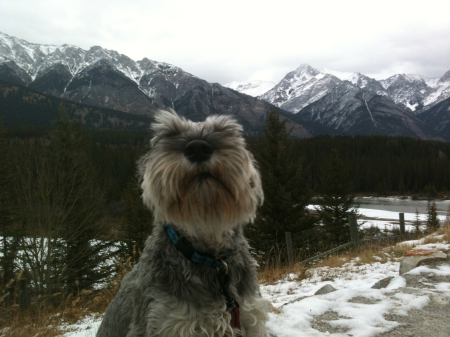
186 248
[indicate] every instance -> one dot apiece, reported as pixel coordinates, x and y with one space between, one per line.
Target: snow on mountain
306 85
252 88
358 79
417 92
106 78
36 59
300 88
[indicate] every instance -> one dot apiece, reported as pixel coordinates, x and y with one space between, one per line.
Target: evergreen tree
286 189
83 205
336 201
417 222
8 244
138 221
60 206
432 218
447 217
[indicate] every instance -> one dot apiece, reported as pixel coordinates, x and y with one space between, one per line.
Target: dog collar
185 247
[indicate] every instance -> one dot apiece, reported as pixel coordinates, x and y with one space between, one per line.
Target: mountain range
314 101
352 103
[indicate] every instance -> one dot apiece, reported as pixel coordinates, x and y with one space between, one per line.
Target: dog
196 276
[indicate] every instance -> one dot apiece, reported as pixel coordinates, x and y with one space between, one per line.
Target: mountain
351 110
252 88
359 80
353 103
438 117
306 85
104 78
315 101
22 106
300 88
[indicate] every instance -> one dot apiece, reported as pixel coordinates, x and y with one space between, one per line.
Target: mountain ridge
314 100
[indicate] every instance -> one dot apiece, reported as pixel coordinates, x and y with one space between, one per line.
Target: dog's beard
205 200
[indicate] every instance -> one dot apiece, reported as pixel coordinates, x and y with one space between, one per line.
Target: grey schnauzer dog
196 276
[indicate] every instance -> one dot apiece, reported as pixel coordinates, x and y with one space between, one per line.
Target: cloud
241 40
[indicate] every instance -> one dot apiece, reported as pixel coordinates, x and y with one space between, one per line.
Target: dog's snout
198 151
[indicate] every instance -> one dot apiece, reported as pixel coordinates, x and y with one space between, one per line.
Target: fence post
402 223
353 229
289 248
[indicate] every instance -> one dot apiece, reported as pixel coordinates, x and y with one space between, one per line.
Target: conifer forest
70 201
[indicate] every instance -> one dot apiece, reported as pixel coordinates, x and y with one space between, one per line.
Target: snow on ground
86 328
355 309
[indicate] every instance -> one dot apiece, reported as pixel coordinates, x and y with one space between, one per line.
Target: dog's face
200 176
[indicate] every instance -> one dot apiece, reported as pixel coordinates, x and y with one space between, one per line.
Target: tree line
70 202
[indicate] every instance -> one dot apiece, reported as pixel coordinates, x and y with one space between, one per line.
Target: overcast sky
222 41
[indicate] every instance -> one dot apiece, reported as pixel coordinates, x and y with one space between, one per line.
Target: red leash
235 320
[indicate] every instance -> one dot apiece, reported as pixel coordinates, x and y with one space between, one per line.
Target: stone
328 288
418 257
382 283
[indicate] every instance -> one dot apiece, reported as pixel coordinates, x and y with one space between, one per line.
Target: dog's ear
167 123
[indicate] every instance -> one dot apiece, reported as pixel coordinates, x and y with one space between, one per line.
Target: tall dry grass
45 319
48 316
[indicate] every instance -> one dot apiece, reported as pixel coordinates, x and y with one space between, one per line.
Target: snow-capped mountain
359 80
322 99
300 88
252 88
69 71
352 110
438 117
105 78
306 85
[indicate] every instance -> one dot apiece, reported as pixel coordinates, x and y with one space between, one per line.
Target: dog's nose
198 151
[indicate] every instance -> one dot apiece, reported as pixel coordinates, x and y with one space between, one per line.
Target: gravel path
432 320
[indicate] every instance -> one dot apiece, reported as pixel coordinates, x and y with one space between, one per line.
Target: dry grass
382 252
45 318
431 239
445 230
400 250
272 274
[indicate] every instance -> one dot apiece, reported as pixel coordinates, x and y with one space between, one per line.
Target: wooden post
353 229
289 248
402 223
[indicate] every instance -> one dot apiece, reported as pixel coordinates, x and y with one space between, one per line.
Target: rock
418 257
382 283
328 288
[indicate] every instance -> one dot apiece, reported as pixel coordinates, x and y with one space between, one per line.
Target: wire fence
309 245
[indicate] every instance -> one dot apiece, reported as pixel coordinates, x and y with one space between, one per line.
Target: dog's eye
252 183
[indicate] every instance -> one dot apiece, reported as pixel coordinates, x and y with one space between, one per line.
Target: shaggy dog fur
206 193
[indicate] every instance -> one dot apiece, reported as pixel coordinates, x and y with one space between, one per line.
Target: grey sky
242 40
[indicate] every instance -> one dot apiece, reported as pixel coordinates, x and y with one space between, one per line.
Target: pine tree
8 244
83 203
60 204
336 201
417 222
447 217
286 189
138 221
432 218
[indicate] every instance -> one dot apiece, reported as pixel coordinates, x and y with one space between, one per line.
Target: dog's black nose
198 151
